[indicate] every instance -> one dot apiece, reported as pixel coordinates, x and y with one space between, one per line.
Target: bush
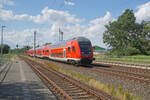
131 51
124 52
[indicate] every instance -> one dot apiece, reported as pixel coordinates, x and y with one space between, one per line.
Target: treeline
20 50
17 50
5 48
127 37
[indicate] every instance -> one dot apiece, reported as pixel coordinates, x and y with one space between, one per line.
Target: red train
76 51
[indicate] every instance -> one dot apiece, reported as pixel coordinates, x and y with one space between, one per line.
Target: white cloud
104 19
70 25
69 3
6 14
6 2
47 15
143 12
1 5
94 31
18 37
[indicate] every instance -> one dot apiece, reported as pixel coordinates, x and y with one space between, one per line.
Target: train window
73 48
47 51
68 49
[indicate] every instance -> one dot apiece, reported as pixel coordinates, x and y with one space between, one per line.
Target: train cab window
47 51
73 48
68 49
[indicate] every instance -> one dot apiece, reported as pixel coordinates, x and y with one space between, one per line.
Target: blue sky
75 18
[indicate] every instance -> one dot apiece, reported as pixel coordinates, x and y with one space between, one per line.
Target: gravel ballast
137 89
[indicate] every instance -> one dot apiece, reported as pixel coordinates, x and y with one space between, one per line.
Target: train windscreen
85 49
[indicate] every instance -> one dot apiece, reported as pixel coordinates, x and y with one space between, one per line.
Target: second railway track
136 74
64 87
124 74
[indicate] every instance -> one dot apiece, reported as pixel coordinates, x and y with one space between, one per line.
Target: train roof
63 43
75 38
81 39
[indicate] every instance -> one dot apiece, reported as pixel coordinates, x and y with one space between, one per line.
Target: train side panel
39 53
77 51
46 51
73 53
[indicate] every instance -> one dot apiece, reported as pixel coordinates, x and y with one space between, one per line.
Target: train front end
86 50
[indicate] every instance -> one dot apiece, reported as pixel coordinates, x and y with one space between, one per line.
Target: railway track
64 87
4 71
125 73
124 64
130 69
136 74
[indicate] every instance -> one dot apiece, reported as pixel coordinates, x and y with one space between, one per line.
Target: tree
121 35
144 38
17 46
47 44
6 48
21 50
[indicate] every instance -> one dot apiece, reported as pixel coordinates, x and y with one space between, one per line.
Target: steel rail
125 64
57 88
121 74
73 82
124 76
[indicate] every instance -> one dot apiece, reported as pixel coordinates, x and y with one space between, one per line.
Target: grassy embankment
131 59
6 57
107 88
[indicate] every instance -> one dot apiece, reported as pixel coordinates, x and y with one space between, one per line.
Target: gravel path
138 89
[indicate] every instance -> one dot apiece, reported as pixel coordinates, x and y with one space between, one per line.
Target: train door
73 51
50 53
64 53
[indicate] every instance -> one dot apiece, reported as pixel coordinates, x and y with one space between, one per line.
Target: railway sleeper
77 91
73 88
64 83
74 93
68 89
84 98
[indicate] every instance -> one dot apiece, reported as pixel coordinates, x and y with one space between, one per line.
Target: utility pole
34 40
60 35
2 41
34 46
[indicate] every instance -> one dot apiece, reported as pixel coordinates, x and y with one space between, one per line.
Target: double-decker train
76 51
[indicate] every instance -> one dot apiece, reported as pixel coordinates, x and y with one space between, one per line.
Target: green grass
6 56
133 59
